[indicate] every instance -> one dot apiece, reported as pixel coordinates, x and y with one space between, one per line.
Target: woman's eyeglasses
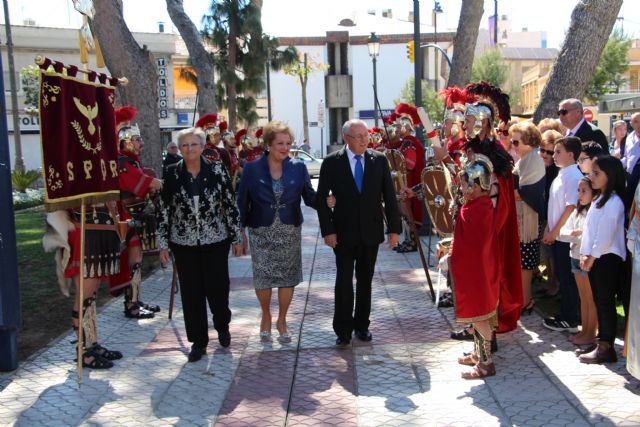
515 142
504 132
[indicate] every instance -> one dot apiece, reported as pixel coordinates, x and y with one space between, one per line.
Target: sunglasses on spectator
504 132
547 152
563 111
515 142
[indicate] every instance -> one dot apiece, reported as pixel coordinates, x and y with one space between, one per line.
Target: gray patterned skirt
276 255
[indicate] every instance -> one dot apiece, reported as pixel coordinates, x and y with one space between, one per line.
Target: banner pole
81 294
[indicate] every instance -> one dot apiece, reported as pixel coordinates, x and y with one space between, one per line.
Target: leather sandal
462 335
137 312
468 359
480 370
107 354
265 336
97 361
149 307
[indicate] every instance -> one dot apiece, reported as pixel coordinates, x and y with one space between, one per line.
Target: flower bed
28 199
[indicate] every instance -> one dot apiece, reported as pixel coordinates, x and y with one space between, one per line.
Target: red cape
508 257
473 262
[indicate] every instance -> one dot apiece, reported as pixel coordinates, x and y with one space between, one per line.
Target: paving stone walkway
407 375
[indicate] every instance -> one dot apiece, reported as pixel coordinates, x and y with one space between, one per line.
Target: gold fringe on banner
99 58
93 199
84 53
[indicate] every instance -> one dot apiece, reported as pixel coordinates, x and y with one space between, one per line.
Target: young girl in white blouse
572 232
603 251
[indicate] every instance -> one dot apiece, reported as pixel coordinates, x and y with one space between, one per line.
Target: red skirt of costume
507 257
473 264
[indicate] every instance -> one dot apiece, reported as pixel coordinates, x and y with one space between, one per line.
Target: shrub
22 180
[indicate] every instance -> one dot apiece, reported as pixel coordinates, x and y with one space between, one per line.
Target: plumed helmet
491 102
375 134
126 130
407 115
478 170
208 124
242 138
455 101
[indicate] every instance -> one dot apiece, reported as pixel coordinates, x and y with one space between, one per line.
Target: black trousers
204 277
606 273
363 257
569 297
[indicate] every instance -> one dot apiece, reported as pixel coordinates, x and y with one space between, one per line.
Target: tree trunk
124 57
200 59
304 78
15 113
591 25
464 43
231 69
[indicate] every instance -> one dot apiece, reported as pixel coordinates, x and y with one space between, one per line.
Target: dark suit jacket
588 132
256 201
357 218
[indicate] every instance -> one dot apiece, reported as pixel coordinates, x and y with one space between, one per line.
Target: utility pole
417 65
9 289
495 23
19 165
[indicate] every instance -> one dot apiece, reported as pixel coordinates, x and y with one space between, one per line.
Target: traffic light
411 52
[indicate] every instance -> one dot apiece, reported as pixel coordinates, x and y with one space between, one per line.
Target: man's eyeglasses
582 159
547 152
358 136
563 111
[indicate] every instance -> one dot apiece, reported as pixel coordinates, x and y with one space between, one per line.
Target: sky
284 17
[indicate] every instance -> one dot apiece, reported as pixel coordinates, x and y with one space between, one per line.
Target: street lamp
373 43
436 9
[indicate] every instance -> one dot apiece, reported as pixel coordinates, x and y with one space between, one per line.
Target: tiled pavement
407 375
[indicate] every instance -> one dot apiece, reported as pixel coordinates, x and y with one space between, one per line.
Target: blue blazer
256 201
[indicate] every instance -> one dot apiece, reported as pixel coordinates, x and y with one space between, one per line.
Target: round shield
436 188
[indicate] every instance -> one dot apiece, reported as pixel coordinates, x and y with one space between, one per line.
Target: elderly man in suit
359 178
571 114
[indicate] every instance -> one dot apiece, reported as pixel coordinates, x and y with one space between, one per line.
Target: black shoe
462 335
196 352
364 335
149 307
343 341
494 343
560 325
224 338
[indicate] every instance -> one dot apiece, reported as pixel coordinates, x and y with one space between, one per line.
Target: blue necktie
359 172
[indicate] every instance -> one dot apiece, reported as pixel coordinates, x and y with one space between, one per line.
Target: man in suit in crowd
359 179
571 114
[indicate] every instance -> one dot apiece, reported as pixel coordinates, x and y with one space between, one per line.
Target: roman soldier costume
455 101
375 138
137 209
212 150
414 155
252 148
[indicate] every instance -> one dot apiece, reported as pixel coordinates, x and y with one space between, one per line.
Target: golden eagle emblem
89 112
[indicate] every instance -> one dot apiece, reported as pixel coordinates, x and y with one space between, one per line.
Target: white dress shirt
631 151
562 193
603 231
352 161
572 132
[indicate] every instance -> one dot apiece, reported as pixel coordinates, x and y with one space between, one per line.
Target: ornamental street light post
374 50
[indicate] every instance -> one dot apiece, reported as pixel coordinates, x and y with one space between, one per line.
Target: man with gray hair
359 179
171 157
571 115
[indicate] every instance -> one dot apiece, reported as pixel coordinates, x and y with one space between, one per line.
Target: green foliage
609 73
22 180
304 66
490 67
29 79
430 99
253 51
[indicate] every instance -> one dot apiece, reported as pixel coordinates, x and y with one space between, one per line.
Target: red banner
78 139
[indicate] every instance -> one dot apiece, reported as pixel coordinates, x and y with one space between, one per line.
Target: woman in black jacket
198 221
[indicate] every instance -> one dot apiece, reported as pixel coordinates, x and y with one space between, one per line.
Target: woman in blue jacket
269 202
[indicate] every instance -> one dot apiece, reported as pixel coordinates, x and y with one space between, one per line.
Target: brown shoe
480 370
604 353
584 350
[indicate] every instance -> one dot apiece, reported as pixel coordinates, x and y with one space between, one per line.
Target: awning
619 103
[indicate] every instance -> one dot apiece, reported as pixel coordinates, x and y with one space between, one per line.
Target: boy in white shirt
563 198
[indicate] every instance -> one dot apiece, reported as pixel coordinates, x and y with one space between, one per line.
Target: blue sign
368 114
183 118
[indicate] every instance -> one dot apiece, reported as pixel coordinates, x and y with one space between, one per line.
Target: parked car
313 164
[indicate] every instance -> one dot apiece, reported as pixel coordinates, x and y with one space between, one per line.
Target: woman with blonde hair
269 196
529 175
